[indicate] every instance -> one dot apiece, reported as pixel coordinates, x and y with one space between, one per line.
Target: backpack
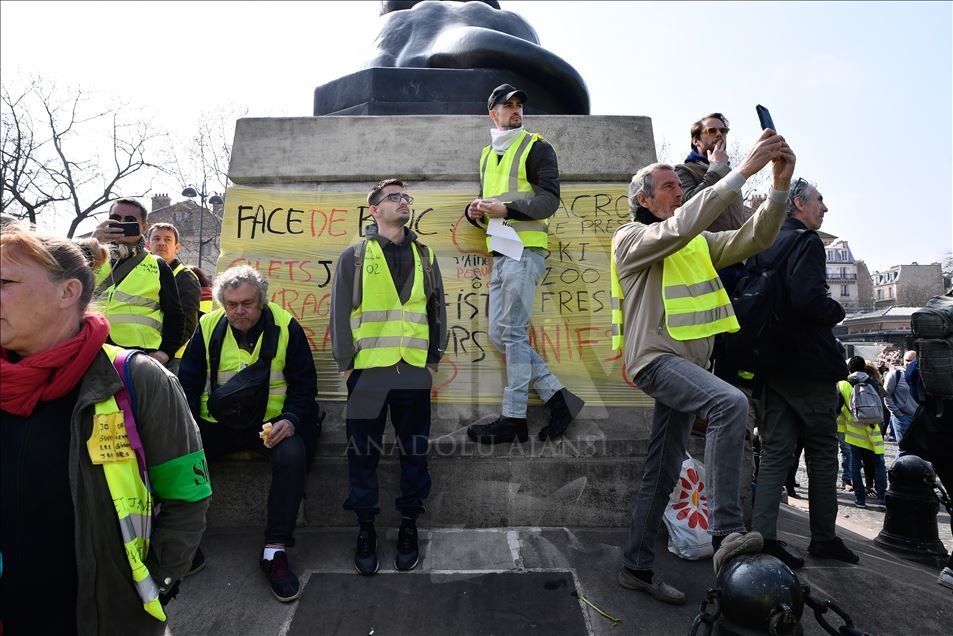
865 406
932 327
759 303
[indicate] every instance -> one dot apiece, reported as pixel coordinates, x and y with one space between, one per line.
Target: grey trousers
793 408
682 391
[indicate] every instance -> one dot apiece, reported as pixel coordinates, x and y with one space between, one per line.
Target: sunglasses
709 130
123 219
397 197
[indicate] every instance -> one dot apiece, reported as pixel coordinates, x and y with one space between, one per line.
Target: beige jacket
641 249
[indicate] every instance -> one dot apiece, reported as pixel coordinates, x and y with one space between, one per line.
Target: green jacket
107 602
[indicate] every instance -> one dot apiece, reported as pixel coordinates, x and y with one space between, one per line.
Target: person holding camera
137 290
249 378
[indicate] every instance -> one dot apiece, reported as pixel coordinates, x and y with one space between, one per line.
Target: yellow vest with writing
234 359
857 434
696 303
384 331
504 178
132 307
131 495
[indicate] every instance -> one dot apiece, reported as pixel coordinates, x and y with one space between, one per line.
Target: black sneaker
365 554
833 549
408 553
775 548
284 583
501 431
198 563
564 406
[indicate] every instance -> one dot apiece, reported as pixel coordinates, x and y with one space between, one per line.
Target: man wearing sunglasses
519 179
707 164
388 333
138 290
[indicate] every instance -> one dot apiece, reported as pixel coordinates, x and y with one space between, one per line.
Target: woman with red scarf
65 568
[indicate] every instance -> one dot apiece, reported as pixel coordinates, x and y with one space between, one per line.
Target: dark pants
287 473
875 463
405 391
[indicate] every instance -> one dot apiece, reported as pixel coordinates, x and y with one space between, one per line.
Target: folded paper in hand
504 239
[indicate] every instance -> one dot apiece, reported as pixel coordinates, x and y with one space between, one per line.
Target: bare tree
52 142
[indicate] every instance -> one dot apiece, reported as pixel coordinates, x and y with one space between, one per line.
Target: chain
704 616
820 608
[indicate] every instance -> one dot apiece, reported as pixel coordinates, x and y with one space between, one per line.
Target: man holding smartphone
139 295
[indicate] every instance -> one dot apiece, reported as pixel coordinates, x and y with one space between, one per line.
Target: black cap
502 94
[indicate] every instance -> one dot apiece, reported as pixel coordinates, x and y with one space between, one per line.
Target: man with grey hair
249 378
669 303
796 396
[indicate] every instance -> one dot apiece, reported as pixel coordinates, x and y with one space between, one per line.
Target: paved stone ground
884 593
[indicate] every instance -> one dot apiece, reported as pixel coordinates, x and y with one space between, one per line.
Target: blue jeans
900 424
512 292
858 456
845 459
682 391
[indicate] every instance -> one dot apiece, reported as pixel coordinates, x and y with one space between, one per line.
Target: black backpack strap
430 280
357 287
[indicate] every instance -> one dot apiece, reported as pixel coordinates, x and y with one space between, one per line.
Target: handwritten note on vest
108 442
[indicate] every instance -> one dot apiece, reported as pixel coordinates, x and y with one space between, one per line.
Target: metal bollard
910 525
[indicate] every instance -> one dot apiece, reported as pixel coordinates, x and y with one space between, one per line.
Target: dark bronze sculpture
445 57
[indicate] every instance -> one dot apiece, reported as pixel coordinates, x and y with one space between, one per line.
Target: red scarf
53 373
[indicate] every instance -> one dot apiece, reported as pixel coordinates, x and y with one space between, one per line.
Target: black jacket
190 292
811 351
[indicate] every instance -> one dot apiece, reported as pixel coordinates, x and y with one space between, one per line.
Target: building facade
185 216
907 285
842 274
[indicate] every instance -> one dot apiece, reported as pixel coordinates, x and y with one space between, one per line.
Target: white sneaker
736 544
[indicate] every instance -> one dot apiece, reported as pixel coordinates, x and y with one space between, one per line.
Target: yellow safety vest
504 178
132 307
384 331
861 435
205 307
234 359
175 272
696 303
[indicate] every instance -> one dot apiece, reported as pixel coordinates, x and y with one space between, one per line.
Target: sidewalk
520 581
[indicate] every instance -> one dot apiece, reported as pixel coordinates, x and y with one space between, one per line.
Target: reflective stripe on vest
616 298
504 178
696 304
384 331
234 359
132 308
132 499
855 433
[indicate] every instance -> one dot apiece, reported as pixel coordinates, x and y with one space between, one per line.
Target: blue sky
863 91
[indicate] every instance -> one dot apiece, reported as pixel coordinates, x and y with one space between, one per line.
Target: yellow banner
295 238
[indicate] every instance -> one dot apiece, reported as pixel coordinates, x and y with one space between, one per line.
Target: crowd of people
125 371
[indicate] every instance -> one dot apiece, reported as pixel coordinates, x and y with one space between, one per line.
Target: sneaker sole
362 573
496 439
287 599
399 569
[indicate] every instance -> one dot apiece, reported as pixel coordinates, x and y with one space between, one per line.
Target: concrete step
587 479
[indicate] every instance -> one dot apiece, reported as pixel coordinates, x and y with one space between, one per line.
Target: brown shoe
657 589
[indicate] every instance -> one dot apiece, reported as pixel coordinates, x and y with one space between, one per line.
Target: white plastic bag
686 515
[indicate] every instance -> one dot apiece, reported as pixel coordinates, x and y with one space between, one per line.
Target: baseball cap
502 94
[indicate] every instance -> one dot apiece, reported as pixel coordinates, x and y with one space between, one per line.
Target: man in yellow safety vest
248 375
519 188
137 291
388 334
164 243
669 303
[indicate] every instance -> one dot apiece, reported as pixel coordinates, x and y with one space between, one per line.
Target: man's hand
161 356
767 147
105 233
490 207
433 373
280 430
783 168
718 154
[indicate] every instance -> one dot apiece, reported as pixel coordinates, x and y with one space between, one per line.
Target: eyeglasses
397 197
123 219
799 184
709 130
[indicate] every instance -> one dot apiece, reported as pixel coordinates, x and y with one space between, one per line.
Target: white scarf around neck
501 140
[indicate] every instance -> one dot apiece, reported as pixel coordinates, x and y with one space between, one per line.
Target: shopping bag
686 515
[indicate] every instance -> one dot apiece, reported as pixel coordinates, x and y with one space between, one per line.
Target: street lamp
191 193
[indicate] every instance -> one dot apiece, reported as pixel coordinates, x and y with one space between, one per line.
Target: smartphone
128 229
765 118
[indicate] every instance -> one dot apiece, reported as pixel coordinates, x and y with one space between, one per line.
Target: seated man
242 401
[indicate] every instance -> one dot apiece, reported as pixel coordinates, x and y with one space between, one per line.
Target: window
844 291
880 294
